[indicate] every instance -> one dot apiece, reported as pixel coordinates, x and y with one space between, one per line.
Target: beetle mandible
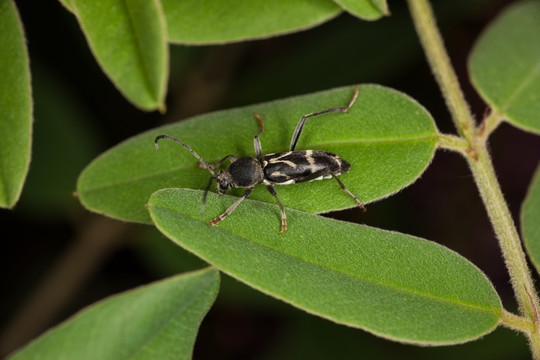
294 166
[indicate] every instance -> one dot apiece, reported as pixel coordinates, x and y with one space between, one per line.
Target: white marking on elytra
273 157
275 160
327 176
290 163
288 182
309 157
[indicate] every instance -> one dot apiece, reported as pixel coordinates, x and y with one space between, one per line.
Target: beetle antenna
188 149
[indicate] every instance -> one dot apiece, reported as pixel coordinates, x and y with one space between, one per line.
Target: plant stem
452 142
516 322
489 124
441 67
481 166
509 240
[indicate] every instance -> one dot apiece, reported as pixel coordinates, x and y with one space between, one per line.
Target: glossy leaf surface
393 285
157 321
386 137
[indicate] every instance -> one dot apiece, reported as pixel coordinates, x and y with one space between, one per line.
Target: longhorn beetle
274 169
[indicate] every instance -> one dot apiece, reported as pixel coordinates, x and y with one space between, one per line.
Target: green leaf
530 216
222 21
15 106
129 41
393 285
365 9
505 65
387 137
157 321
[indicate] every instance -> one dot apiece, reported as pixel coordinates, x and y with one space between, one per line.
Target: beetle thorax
244 172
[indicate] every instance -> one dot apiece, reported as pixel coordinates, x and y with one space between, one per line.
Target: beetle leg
231 208
256 141
348 192
272 191
302 121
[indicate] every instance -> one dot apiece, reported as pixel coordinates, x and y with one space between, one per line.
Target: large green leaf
365 9
157 321
394 285
129 41
15 105
387 137
505 65
221 21
530 221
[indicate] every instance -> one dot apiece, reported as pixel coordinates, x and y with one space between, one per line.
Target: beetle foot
283 226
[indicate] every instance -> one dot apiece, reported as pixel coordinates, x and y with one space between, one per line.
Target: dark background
79 114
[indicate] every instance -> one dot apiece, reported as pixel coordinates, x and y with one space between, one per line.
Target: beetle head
224 182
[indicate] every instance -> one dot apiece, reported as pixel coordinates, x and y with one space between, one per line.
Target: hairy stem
441 67
452 142
516 322
508 237
481 166
489 124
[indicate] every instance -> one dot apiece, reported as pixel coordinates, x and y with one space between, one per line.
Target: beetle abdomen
299 166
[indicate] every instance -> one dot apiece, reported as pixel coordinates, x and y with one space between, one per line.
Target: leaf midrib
528 79
140 52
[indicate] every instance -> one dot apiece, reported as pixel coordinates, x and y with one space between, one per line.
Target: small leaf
387 137
218 21
15 106
129 41
157 321
505 65
365 9
393 285
530 221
